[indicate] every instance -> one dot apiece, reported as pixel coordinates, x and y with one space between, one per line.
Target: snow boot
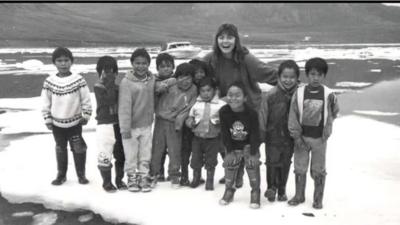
210 179
196 178
270 193
230 177
119 175
254 178
239 176
106 175
80 163
300 190
62 165
228 196
184 177
175 183
319 185
255 199
283 174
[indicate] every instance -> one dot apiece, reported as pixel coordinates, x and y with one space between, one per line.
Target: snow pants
318 157
165 136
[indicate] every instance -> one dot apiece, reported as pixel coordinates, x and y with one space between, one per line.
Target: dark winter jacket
274 115
107 103
249 71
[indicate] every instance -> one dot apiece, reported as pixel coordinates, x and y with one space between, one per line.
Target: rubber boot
283 174
210 179
196 178
270 193
184 177
254 178
239 176
80 164
106 175
319 185
119 175
62 165
300 190
230 177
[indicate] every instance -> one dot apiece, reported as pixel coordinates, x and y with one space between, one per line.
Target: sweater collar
214 100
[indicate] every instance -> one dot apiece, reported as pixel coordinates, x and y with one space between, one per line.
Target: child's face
108 76
235 97
315 78
63 64
165 69
226 43
288 78
199 74
207 93
184 82
140 65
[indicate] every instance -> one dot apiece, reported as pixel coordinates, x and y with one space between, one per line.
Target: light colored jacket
331 110
136 102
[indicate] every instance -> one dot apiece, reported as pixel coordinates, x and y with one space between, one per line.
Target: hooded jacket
174 105
136 102
274 114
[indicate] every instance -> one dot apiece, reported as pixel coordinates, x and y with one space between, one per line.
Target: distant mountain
83 24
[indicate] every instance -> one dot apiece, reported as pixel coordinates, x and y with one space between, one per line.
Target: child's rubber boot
300 190
319 185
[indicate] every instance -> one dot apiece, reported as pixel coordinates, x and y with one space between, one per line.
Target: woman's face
226 43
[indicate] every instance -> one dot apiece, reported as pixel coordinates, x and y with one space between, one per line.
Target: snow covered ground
362 183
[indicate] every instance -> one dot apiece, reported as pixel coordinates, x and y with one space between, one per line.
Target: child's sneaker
133 183
153 181
175 182
145 184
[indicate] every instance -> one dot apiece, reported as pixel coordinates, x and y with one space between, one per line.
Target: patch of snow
355 169
376 70
376 113
353 84
48 218
23 214
85 218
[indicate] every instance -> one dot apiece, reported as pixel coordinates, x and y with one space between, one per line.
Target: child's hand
126 135
83 121
301 144
49 126
253 161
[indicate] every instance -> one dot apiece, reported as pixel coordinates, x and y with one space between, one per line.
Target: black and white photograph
199 113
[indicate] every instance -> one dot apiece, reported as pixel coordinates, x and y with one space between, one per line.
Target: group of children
180 114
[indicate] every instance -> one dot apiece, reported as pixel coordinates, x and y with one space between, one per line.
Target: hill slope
51 24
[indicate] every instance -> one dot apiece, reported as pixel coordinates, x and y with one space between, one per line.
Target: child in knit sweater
66 109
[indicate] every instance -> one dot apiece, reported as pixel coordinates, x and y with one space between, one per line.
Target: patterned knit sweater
65 100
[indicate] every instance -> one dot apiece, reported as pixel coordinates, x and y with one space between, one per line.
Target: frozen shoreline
356 168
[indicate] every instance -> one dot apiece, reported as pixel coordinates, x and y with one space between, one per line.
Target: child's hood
130 76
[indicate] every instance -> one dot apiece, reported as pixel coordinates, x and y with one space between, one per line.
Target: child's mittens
190 122
301 144
49 126
83 121
232 159
126 135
